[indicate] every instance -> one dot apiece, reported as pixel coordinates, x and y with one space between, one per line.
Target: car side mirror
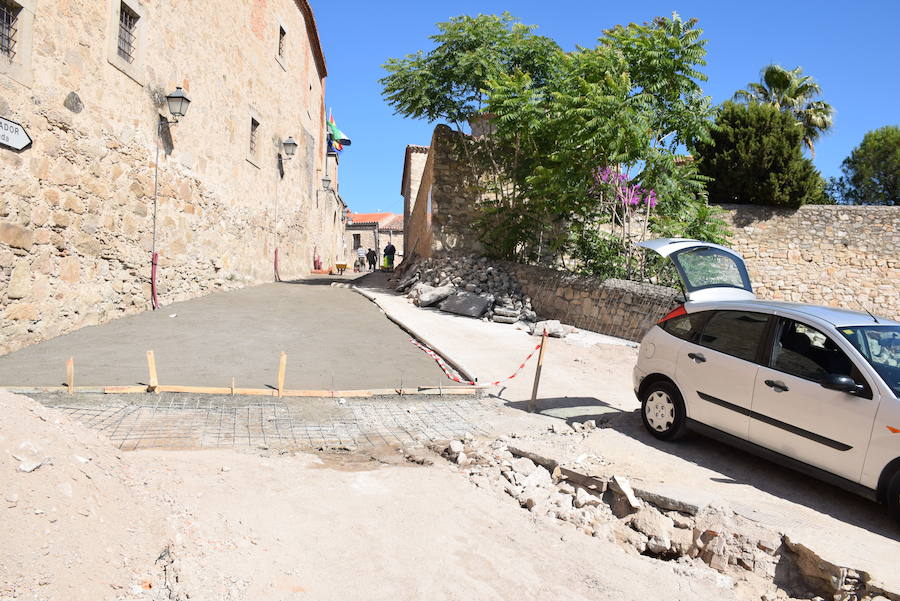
841 383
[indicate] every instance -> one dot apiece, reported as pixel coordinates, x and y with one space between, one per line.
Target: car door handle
777 385
697 357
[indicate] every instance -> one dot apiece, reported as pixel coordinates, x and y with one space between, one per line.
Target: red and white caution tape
451 373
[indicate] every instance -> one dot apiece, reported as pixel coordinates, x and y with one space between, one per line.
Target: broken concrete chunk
653 524
583 498
539 477
554 328
455 448
524 466
29 465
506 312
464 303
503 319
620 485
429 295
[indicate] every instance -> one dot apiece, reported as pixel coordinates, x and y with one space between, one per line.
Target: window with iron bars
9 15
281 35
127 32
254 125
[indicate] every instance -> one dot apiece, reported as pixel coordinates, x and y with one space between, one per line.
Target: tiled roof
395 223
359 218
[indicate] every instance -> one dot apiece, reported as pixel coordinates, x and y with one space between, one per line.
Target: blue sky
851 49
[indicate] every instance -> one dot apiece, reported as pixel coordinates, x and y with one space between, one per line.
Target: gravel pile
432 281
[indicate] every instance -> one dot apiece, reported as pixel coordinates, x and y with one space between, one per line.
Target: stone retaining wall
845 256
613 307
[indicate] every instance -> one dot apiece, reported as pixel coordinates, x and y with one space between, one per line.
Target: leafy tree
794 93
872 171
630 104
755 158
450 81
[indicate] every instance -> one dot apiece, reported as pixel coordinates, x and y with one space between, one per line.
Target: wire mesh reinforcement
323 424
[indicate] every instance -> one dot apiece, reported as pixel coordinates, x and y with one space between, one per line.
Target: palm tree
792 92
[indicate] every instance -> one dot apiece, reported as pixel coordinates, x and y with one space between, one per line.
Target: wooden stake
70 375
282 365
537 372
151 366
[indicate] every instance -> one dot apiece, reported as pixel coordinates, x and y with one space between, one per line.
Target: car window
736 333
803 351
880 346
686 327
710 267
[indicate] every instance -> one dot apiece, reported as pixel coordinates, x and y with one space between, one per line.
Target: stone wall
413 168
76 208
845 256
612 307
443 211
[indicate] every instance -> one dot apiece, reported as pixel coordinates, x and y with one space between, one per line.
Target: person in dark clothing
389 252
370 256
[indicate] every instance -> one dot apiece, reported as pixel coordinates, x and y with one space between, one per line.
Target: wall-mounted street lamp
289 148
178 104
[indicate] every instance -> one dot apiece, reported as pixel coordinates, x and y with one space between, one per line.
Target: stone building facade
87 79
413 168
374 230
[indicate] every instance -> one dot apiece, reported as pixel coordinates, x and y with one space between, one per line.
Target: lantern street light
178 103
290 146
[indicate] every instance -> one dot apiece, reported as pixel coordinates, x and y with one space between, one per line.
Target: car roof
833 315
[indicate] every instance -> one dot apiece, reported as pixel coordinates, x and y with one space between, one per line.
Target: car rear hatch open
709 272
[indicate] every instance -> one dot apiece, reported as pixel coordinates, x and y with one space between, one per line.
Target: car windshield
880 345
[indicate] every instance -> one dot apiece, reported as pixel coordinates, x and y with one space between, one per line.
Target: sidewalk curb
457 365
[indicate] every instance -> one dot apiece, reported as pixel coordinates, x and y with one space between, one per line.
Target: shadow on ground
736 467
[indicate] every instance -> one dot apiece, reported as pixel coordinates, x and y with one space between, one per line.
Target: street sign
13 135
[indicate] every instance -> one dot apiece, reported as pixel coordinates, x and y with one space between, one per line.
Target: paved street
333 337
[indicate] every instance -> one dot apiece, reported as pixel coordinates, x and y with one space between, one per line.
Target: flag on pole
337 138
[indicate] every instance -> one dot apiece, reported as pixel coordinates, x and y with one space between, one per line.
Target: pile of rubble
474 287
646 523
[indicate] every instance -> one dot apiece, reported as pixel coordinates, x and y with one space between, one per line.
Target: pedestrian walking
360 263
389 252
371 257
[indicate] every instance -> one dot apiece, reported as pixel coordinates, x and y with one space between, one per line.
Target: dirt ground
90 523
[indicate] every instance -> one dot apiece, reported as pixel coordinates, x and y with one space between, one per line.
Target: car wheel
893 496
662 411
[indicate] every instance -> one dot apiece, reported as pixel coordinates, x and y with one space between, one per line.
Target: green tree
872 171
450 81
631 102
755 158
792 92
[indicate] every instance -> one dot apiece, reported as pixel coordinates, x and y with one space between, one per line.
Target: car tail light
678 312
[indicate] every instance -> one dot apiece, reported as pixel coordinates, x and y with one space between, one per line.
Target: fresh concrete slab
333 337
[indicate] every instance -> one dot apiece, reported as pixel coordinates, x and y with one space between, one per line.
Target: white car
814 388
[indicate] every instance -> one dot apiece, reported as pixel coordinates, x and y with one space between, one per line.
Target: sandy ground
205 525
332 337
587 376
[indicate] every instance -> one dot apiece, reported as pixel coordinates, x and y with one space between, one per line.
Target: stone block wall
76 208
443 211
845 256
613 307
